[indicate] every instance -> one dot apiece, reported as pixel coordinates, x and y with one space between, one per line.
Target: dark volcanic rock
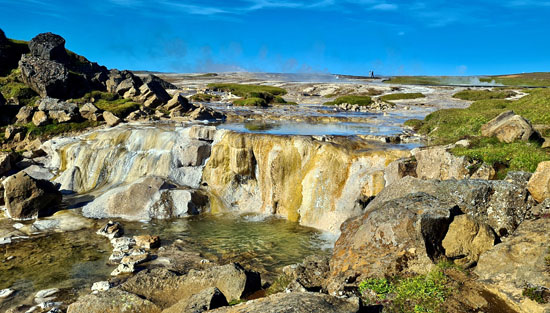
2 99
45 77
48 46
26 197
3 38
152 78
10 54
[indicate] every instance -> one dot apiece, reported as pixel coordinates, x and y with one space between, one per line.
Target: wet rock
516 264
147 241
40 118
49 46
46 293
399 169
111 230
89 112
101 286
295 302
111 119
194 153
5 293
502 205
25 115
399 236
113 301
124 268
439 163
207 299
509 127
206 133
26 197
467 239
165 288
539 184
123 244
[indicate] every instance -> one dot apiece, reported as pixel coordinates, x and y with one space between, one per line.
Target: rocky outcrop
518 263
467 239
319 184
153 78
439 163
295 302
509 127
27 198
59 110
45 77
90 112
396 237
399 169
48 46
539 184
145 199
7 162
113 301
111 119
165 288
502 205
207 299
310 274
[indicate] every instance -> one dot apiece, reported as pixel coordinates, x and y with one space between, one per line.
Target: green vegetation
474 95
57 128
109 102
11 87
539 295
528 79
402 96
352 99
450 125
415 80
252 95
370 92
204 97
419 294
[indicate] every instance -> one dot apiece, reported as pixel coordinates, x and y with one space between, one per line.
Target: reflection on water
73 261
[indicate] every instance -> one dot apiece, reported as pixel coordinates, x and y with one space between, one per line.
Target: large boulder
208 299
178 102
153 78
310 274
539 184
26 197
509 127
152 95
467 239
48 46
89 112
145 199
501 204
7 162
396 237
116 77
111 119
59 110
45 77
399 169
165 288
518 264
113 301
296 302
25 114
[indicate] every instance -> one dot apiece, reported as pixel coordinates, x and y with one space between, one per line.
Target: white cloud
385 7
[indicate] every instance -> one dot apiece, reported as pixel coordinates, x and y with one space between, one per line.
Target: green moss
538 295
352 99
203 97
415 124
516 156
109 102
528 79
402 96
474 95
11 87
259 102
57 128
415 80
279 285
247 91
380 286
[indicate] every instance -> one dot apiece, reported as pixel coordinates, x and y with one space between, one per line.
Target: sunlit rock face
317 183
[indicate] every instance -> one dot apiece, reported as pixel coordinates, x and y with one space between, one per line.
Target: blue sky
335 36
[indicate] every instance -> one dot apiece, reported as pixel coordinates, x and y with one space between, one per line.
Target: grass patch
415 80
402 96
369 92
353 100
58 128
537 294
251 94
11 87
109 102
204 97
474 95
541 79
419 294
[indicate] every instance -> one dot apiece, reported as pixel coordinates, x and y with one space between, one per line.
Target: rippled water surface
73 261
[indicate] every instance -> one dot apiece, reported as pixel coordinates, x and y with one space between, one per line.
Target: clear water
73 261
